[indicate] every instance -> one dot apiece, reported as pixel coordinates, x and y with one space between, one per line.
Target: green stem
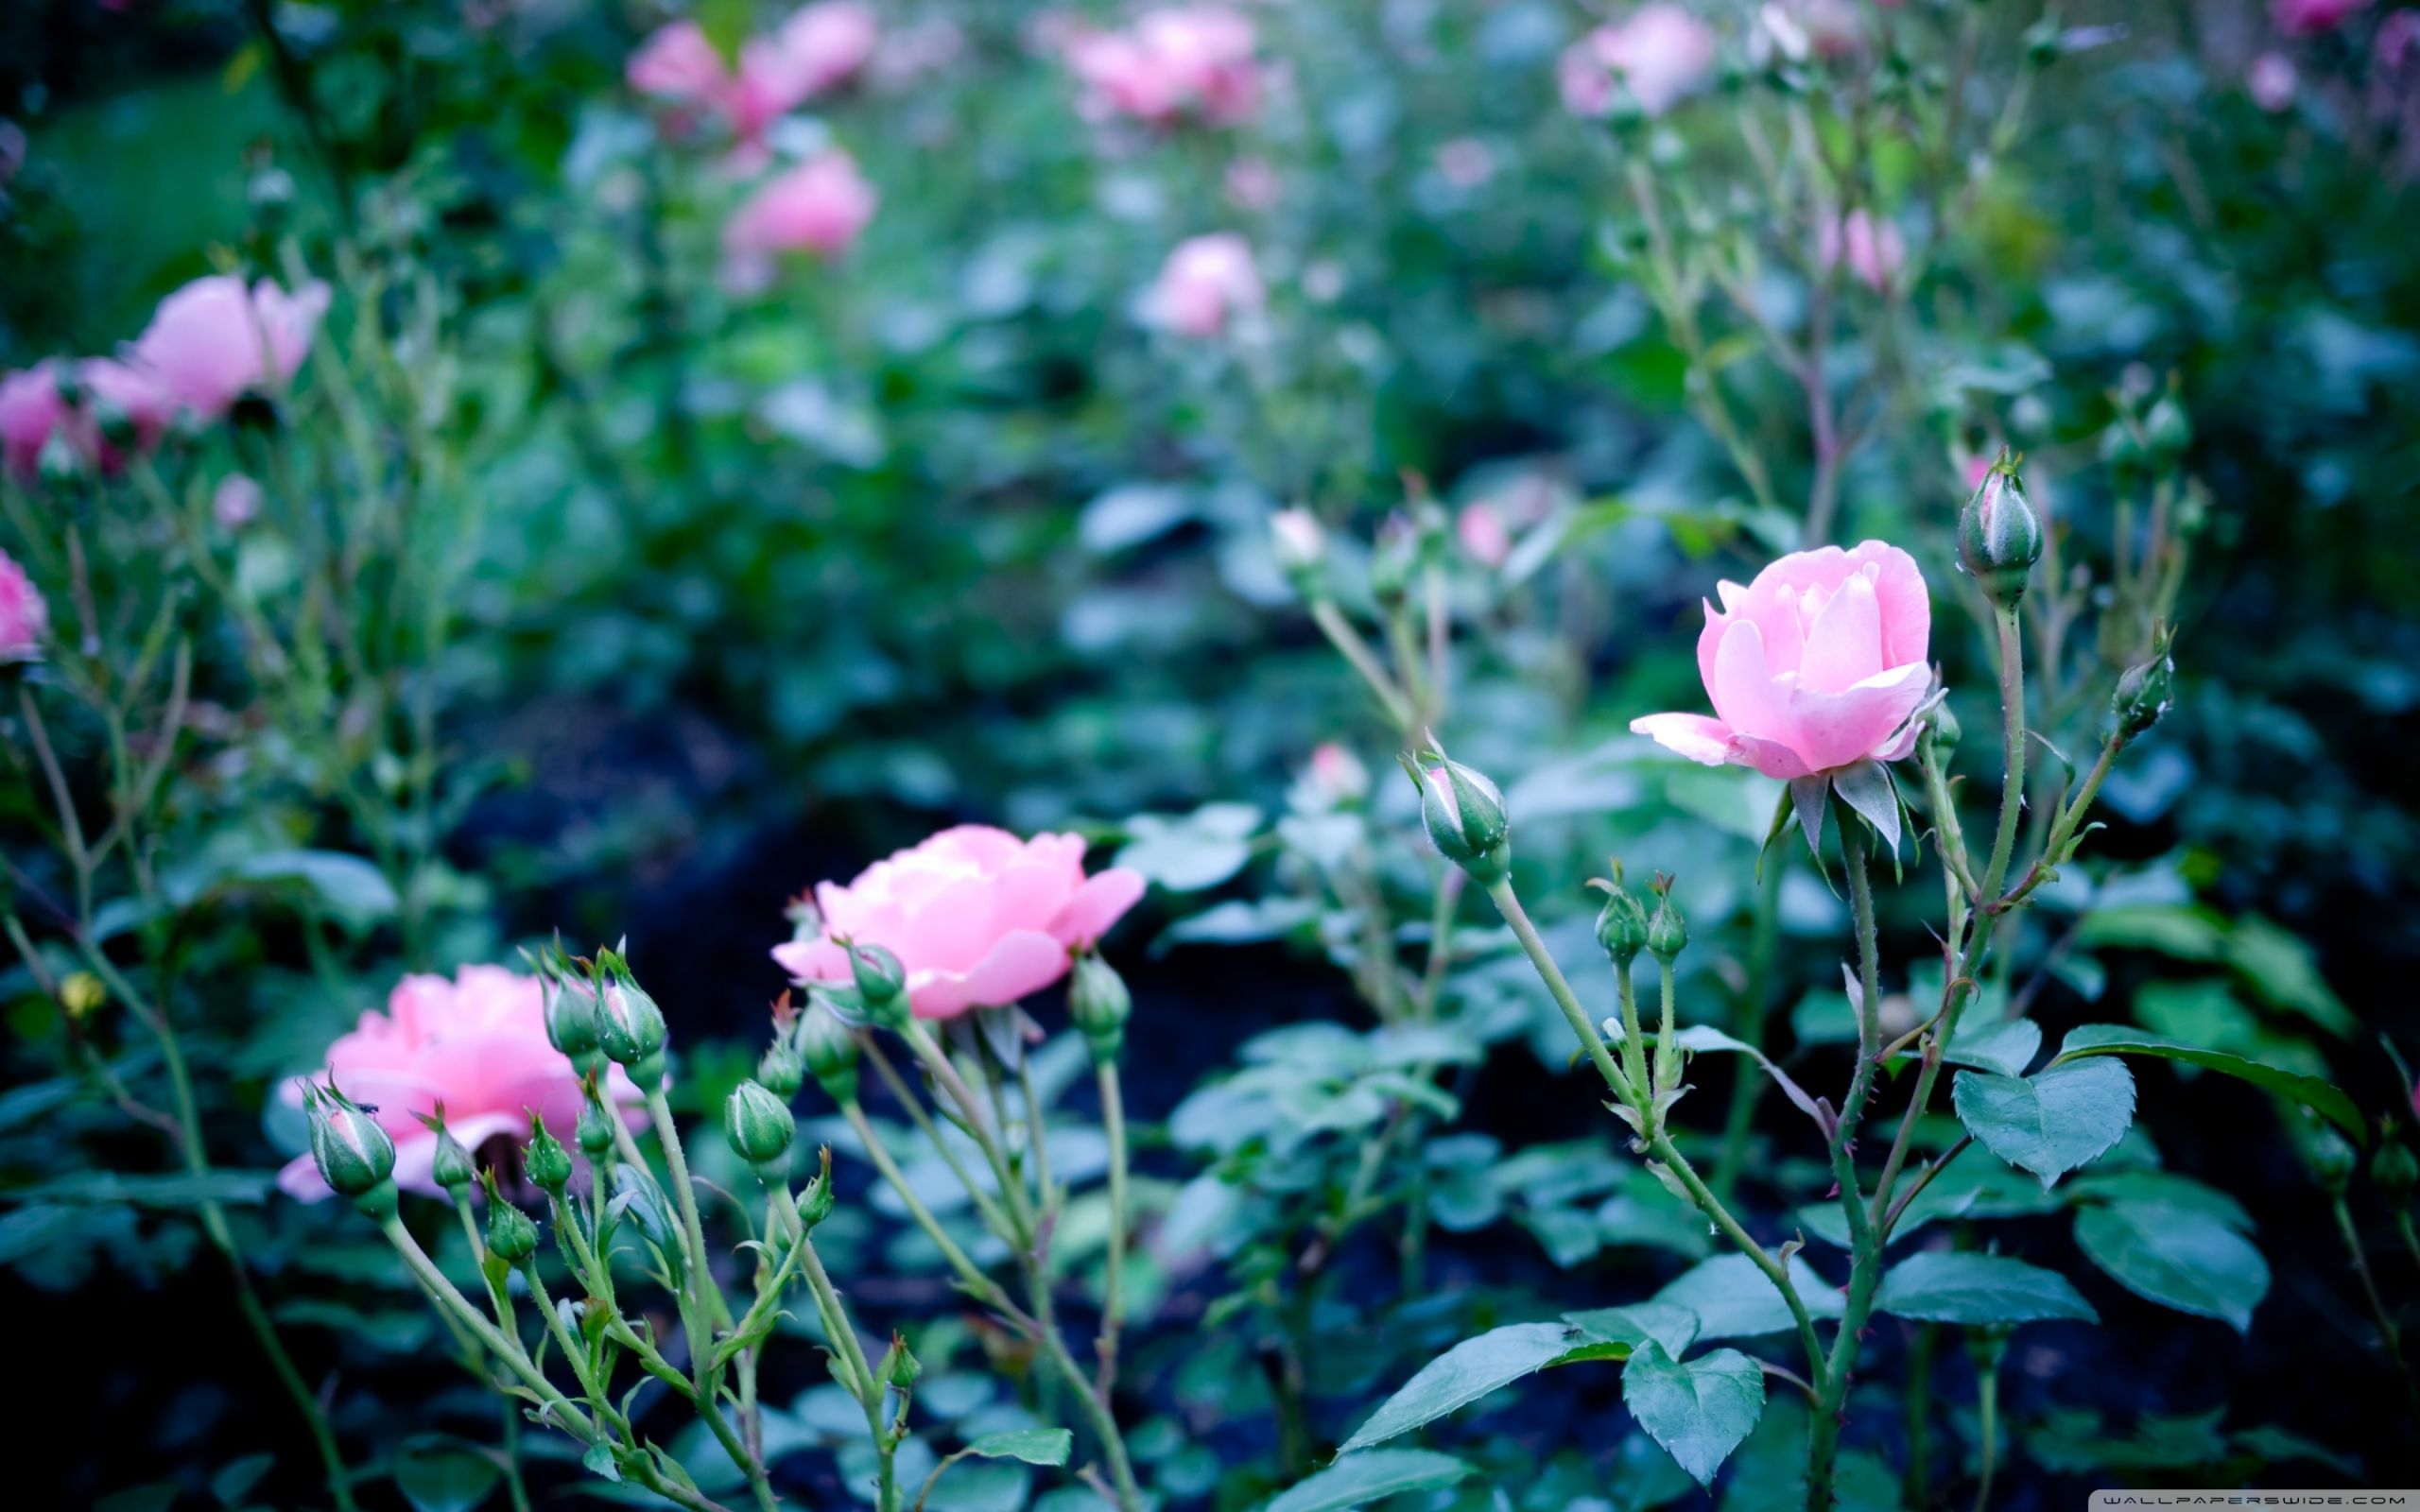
504 1348
1748 1088
863 1384
710 1299
1356 650
969 1274
1988 1424
1113 1307
914 1106
2388 1334
1509 905
1094 1405
2012 748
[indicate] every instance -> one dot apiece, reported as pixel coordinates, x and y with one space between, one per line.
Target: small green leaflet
2120 1039
1675 1328
2005 1048
1733 1299
1475 1367
1698 1411
1943 1286
2187 1258
1357 1480
1035 1445
2066 1115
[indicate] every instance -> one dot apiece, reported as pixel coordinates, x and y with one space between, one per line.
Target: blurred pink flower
236 503
1181 61
818 48
678 63
979 918
1483 533
1466 162
139 394
30 411
24 619
2308 18
1338 776
1252 183
213 339
478 1045
2398 43
1661 53
820 207
2271 80
826 44
1205 284
1875 249
1816 664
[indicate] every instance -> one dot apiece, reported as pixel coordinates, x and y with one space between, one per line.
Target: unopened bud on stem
354 1156
882 983
546 1162
2000 537
512 1237
629 1026
1295 540
829 1049
1622 925
760 1128
1100 1005
1464 814
2143 696
1667 933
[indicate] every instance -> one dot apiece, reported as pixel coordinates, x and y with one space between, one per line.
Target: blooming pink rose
2308 18
24 619
213 339
818 207
2271 80
1206 282
1189 59
678 63
1876 249
979 918
1484 534
1815 665
477 1044
30 411
1661 53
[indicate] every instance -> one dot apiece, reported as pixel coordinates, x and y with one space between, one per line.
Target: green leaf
236 1478
1733 1299
600 1461
174 1189
1035 1445
1944 1286
346 885
2049 1122
2120 1039
441 1474
1357 1480
1698 1411
1675 1328
1466 1373
2005 1048
2179 1257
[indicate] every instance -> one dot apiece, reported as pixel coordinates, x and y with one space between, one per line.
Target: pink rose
1192 59
477 1044
24 619
213 339
1815 665
1874 248
1338 777
1661 53
979 918
30 411
2271 80
678 63
827 43
818 207
1484 534
2308 18
1206 282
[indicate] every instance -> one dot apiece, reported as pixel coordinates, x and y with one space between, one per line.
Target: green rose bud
1394 560
1942 732
1301 550
512 1237
2167 430
2332 1160
1999 538
571 1019
1667 933
782 1071
882 983
830 1050
1099 1004
899 1367
629 1026
1464 814
1622 925
452 1167
354 1155
2143 696
596 1132
759 1125
815 1204
546 1162
2396 1172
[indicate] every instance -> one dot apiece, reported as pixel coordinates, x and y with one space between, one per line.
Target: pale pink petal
1018 965
1829 729
812 961
1769 757
1102 901
1744 689
1844 643
299 1178
1692 736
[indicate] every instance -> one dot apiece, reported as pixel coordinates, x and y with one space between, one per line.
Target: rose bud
815 1203
2143 696
2396 1172
596 1132
571 1019
1667 933
899 1367
782 1071
2332 1160
355 1157
1295 540
450 1165
545 1162
1622 925
882 982
1464 814
512 1237
1999 538
629 1028
1942 733
759 1127
1099 1002
829 1049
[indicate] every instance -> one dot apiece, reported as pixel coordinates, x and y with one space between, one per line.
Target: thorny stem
862 1383
506 1349
2012 748
1113 1307
1350 644
710 1301
970 1275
